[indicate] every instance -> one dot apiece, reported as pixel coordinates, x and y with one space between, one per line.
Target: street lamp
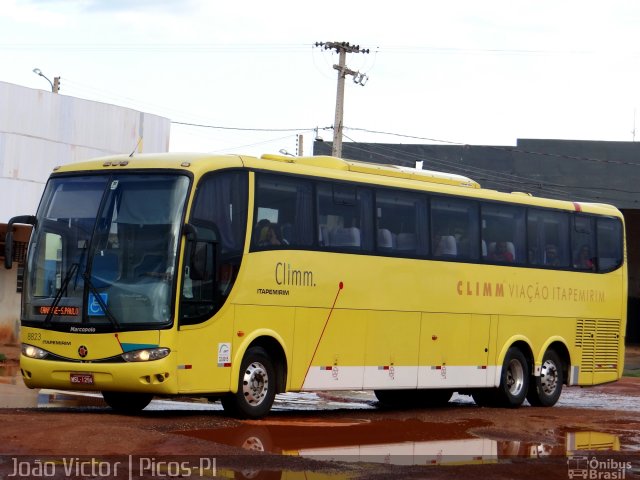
55 86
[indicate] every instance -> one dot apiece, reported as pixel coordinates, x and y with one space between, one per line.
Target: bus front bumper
156 377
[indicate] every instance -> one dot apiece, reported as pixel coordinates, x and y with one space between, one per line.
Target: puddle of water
585 398
11 385
284 402
397 442
255 474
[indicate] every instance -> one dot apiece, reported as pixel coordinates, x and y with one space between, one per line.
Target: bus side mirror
190 231
203 261
8 239
8 249
203 256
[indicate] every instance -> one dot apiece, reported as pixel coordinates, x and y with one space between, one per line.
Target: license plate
82 378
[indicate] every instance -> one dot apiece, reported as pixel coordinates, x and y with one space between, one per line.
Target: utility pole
300 149
342 48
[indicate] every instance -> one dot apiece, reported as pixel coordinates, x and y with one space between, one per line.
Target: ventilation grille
600 343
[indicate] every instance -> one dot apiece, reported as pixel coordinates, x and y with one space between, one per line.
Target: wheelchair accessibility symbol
94 308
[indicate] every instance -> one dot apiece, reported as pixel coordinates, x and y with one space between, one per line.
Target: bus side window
548 238
345 216
609 233
402 223
503 233
583 243
283 213
455 228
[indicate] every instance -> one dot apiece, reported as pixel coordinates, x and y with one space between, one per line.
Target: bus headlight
146 355
33 352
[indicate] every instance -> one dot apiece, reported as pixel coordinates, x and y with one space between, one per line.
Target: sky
463 71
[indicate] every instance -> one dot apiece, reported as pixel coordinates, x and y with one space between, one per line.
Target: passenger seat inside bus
447 246
345 237
385 239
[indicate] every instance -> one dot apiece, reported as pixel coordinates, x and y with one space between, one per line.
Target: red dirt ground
68 432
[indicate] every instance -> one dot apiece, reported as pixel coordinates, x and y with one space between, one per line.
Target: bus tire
514 380
127 402
256 386
545 390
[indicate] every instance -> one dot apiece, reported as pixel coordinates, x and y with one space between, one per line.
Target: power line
247 129
229 149
158 47
301 47
378 132
507 149
500 178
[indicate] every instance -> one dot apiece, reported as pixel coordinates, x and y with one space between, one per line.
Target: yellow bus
236 278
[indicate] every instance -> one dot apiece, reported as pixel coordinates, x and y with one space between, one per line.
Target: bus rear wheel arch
545 389
514 382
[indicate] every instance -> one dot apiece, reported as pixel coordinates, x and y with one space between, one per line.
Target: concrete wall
10 306
40 130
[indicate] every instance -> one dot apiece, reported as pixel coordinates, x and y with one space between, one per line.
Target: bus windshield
103 255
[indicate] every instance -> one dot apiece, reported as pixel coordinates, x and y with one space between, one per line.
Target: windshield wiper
63 288
96 294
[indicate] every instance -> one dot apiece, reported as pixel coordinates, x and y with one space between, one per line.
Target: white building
40 130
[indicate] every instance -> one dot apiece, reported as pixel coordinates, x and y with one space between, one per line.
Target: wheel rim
549 377
255 383
515 377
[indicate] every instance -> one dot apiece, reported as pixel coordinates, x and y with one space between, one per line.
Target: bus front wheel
127 402
256 386
545 390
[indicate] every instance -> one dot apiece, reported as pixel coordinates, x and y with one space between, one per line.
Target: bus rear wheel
514 380
127 402
545 390
256 386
